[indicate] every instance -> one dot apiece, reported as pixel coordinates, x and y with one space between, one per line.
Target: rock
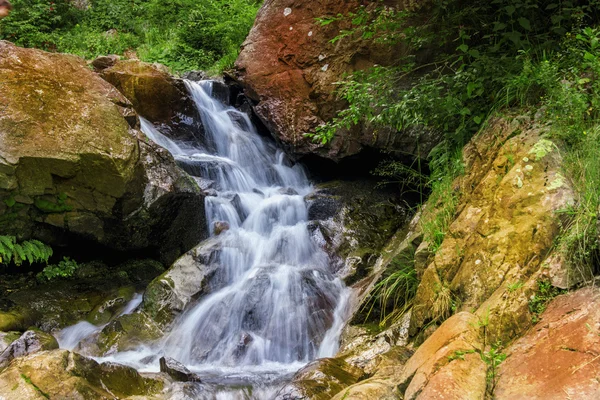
104 62
30 342
559 358
124 333
60 374
288 65
320 380
167 295
447 365
177 370
6 338
502 231
353 221
220 227
90 174
196 76
158 97
5 8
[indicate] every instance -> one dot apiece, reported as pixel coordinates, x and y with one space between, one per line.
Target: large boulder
30 342
186 280
60 374
505 224
559 359
74 164
289 65
155 95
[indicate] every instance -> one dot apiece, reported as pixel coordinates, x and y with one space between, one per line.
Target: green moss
29 382
50 207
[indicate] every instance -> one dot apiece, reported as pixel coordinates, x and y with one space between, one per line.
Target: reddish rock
289 66
559 358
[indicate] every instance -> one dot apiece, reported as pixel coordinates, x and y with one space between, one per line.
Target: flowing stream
275 303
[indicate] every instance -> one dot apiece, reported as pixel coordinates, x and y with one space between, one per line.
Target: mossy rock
125 333
60 374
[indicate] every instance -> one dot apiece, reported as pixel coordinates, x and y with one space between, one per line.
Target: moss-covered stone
74 165
61 374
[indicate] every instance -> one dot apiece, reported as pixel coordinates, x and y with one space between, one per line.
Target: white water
69 337
276 305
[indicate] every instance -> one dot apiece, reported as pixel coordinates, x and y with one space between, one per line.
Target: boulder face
504 227
155 95
73 162
60 374
289 66
559 359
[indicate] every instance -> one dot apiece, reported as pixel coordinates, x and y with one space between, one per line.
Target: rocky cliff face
476 292
73 162
289 67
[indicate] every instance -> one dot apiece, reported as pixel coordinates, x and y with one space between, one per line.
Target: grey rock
177 370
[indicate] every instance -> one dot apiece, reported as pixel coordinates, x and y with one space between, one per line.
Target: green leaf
463 47
524 22
510 10
477 119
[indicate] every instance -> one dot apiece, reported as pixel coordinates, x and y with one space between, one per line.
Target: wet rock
195 76
288 191
557 359
96 179
30 342
220 227
6 338
177 370
320 380
103 62
61 374
221 92
124 333
167 295
158 97
111 306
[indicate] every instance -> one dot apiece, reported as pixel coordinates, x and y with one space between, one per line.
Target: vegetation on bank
181 34
537 57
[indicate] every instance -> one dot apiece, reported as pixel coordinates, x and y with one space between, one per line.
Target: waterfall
276 304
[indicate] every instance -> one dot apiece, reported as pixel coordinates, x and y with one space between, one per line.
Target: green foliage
460 354
30 251
64 269
493 358
182 34
544 294
58 206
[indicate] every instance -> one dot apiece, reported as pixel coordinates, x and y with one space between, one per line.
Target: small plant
30 251
460 354
493 358
544 294
513 287
64 269
443 304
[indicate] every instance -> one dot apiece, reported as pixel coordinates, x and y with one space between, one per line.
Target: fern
31 251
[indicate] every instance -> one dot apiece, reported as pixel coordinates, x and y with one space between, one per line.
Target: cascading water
274 304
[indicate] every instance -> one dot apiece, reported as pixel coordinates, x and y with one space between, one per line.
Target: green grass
544 294
392 296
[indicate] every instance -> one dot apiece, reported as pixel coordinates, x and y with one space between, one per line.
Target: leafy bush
30 251
64 269
182 34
